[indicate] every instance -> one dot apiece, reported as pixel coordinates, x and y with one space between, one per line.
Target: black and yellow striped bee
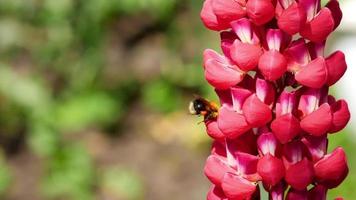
203 107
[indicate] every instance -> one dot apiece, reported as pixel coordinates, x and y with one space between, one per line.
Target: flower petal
334 7
225 97
297 194
297 54
215 169
337 66
227 39
260 11
209 18
216 193
271 169
293 152
300 175
341 116
318 192
319 28
239 95
236 187
272 65
267 144
285 128
218 148
287 103
265 91
292 19
318 122
227 11
213 130
314 74
245 55
222 76
317 146
311 7
310 100
332 169
246 163
231 123
243 29
257 113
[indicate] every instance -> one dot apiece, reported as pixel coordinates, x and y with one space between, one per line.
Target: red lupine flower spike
276 113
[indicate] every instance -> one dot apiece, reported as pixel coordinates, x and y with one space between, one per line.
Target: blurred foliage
70 66
122 184
5 177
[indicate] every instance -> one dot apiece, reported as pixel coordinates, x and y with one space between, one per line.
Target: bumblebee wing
191 108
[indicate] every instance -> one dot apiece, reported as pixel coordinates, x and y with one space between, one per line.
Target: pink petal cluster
273 81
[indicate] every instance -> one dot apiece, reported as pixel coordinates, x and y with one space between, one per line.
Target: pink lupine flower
316 113
332 169
219 71
217 14
341 116
320 23
236 170
276 113
272 63
299 170
246 50
286 126
300 62
269 167
260 11
292 17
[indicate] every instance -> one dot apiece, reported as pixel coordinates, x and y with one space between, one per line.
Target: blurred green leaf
24 91
161 96
81 111
5 177
123 183
43 140
70 174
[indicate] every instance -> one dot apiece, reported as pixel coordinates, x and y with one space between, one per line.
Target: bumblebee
203 107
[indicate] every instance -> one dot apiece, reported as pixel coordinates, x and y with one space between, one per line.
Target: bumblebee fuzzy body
203 107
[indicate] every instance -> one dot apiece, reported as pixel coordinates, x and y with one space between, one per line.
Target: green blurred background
93 97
